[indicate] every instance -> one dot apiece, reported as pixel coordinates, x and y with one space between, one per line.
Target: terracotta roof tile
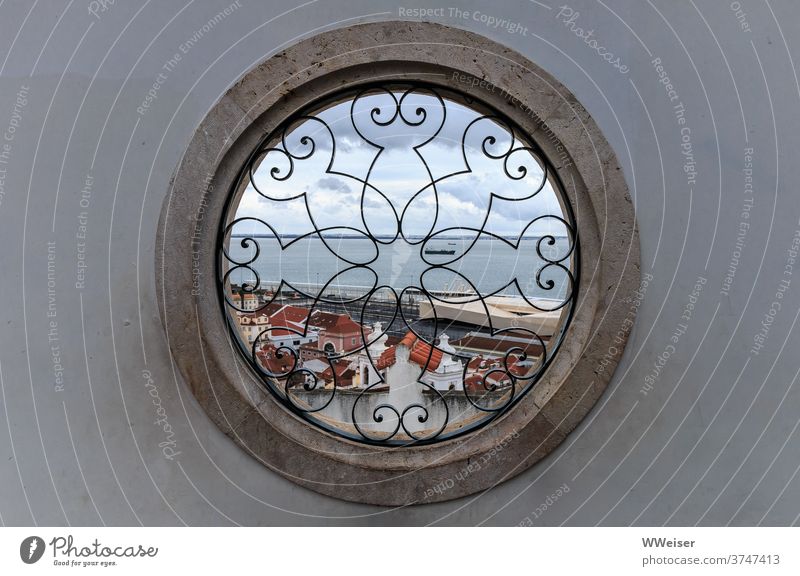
497 345
388 358
421 352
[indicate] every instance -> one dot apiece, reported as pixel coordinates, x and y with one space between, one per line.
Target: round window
397 272
398 263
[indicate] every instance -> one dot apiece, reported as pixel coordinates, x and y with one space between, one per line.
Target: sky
328 189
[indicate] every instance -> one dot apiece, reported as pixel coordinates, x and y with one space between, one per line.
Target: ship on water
440 251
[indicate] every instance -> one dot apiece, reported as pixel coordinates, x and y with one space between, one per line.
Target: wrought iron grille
398 263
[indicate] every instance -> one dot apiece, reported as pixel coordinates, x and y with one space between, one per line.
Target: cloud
332 183
334 192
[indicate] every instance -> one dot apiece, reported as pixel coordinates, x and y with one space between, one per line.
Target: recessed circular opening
398 263
409 216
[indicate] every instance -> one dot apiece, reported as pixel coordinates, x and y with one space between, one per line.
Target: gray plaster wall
699 425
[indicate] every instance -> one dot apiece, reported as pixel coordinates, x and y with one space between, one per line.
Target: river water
488 265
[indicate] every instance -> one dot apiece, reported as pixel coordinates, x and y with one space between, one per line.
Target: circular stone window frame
195 322
439 97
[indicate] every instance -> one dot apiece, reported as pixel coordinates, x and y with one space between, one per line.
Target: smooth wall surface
699 100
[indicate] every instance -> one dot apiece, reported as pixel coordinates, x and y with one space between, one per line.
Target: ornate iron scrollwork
362 352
